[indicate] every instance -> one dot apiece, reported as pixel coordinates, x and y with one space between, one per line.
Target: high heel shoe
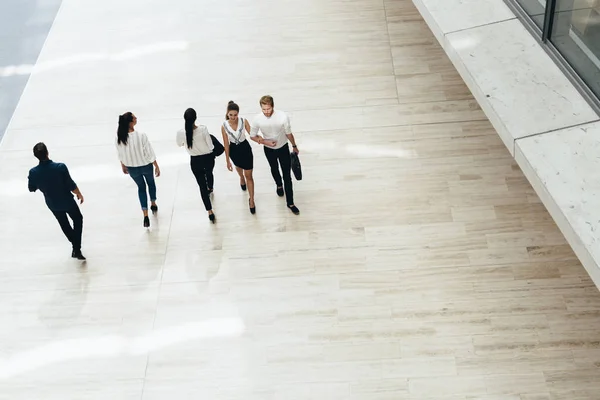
243 187
212 218
252 209
146 222
154 209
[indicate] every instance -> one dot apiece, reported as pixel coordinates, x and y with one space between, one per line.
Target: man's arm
254 128
288 132
259 139
78 194
31 184
70 183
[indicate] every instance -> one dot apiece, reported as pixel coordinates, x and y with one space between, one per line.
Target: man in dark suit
53 179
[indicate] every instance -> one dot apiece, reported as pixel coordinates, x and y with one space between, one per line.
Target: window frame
543 37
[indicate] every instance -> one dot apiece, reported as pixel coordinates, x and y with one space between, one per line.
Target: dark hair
267 101
123 129
40 151
231 106
190 118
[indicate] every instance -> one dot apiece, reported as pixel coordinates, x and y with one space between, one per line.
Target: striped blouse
138 151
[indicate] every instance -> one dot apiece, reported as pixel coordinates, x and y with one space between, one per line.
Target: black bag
219 149
296 167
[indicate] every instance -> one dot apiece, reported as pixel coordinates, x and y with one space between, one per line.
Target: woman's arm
208 139
150 153
226 145
180 138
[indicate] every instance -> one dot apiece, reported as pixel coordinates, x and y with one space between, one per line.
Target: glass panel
535 9
576 35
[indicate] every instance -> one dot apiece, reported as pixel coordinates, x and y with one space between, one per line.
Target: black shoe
212 218
210 191
78 255
154 209
252 209
280 191
243 187
294 209
146 222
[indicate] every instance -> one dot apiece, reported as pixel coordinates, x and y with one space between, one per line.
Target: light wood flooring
423 265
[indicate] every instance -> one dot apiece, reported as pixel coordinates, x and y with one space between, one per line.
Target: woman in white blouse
202 161
138 160
238 150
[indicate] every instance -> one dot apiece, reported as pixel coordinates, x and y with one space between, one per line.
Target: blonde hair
267 101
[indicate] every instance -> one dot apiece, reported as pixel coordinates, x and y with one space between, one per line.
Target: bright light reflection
84 174
113 346
464 43
25 69
360 150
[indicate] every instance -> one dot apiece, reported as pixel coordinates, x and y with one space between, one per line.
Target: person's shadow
64 308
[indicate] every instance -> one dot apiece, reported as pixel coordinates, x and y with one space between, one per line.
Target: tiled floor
423 265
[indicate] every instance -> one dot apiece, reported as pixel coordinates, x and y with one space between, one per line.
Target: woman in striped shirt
138 160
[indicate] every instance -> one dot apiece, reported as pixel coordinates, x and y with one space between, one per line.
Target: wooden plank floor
423 265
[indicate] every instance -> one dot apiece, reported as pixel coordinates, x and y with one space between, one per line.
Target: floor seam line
389 37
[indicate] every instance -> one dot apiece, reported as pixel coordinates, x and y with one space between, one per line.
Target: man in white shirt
276 131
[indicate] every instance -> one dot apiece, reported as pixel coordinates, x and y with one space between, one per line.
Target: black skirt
241 155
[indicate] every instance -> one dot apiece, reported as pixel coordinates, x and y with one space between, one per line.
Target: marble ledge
520 89
456 15
564 169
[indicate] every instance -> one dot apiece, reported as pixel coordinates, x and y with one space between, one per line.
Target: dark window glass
535 9
576 35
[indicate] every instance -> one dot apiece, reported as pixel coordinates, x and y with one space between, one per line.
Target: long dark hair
123 129
190 119
231 106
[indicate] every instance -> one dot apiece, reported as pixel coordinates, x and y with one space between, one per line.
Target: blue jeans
142 176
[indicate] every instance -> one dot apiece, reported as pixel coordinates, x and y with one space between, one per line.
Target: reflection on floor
422 267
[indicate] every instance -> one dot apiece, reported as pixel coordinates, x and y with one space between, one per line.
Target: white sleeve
287 126
180 138
208 138
254 127
148 150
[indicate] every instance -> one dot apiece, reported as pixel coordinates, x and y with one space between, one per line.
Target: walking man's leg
77 219
272 159
283 155
63 221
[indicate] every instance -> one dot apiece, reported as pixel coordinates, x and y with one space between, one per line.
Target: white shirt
235 136
202 142
275 127
137 152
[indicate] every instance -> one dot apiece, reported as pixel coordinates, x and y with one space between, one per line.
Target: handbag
296 166
218 147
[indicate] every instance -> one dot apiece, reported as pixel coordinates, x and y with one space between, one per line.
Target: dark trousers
73 234
202 167
281 157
